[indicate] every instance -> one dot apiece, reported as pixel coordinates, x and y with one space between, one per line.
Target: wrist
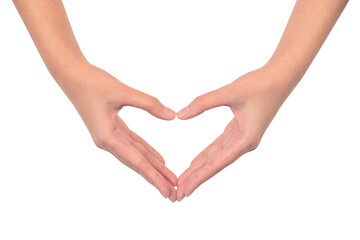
63 66
284 74
289 64
70 74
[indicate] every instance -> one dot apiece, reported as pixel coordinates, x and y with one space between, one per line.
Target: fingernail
183 112
181 198
169 113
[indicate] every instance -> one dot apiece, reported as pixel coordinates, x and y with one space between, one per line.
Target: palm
254 102
137 154
99 102
228 147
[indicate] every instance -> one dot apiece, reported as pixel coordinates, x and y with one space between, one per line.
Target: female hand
98 97
254 99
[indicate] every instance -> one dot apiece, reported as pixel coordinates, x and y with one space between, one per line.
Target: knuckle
102 140
99 142
146 154
157 178
153 103
253 143
200 101
155 100
140 165
212 164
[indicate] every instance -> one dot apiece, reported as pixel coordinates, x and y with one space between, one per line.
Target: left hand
98 97
254 99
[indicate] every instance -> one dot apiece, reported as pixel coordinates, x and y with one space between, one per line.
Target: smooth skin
254 98
96 95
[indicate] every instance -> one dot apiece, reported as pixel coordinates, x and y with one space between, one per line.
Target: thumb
150 104
205 102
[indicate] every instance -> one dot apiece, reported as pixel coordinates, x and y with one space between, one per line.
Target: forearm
51 32
309 25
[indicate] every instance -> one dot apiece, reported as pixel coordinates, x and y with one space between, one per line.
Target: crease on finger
169 175
147 146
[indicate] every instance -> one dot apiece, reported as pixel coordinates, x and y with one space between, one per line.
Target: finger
150 104
199 159
195 164
161 168
136 161
207 156
216 98
155 178
209 169
153 151
122 126
172 196
185 175
195 180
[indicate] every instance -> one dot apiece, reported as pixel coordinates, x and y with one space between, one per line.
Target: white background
302 182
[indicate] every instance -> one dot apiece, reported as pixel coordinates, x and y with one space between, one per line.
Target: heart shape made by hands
178 141
247 97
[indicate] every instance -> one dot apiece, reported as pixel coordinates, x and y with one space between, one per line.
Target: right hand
254 99
98 97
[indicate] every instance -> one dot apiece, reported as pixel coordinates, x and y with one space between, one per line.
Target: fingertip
192 186
161 160
183 113
180 198
188 193
180 193
164 196
157 155
169 114
173 196
164 193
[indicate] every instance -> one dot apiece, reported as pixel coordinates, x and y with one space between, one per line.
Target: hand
98 97
254 99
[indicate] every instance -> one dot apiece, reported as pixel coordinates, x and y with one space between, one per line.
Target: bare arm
97 95
51 32
309 25
255 97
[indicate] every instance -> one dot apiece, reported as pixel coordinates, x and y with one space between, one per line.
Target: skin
96 95
254 98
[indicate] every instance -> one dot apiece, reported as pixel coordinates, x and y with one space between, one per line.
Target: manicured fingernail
183 112
169 113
